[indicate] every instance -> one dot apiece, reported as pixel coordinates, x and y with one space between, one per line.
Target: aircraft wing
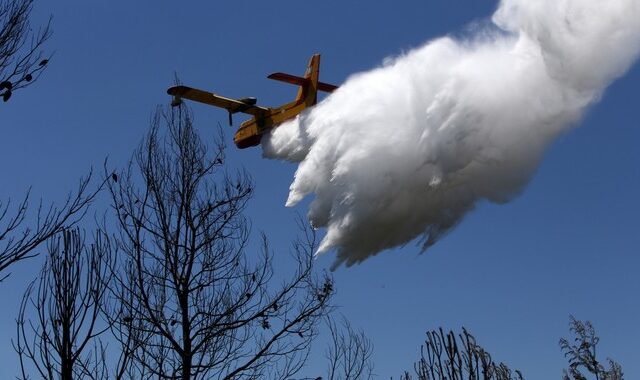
231 105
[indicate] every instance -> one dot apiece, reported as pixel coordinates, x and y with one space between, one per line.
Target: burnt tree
21 57
349 352
457 357
193 299
580 350
59 323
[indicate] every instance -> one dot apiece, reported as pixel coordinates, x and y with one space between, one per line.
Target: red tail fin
309 84
309 93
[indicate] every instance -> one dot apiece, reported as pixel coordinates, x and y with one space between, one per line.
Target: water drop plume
405 150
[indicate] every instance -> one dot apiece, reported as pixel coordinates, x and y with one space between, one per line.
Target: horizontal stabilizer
299 81
288 78
326 87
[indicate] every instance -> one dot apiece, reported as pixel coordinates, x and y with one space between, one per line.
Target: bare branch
349 353
191 300
61 341
22 60
581 353
19 236
450 356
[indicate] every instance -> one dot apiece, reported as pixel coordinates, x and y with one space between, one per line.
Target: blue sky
510 273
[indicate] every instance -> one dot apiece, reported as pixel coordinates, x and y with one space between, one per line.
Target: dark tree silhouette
192 299
21 63
457 357
349 352
580 350
21 57
61 341
21 233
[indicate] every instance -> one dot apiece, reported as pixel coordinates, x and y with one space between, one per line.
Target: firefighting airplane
264 118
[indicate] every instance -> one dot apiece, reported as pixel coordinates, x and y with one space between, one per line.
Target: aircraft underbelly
250 133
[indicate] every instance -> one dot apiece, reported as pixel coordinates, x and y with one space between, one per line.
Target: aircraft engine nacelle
251 101
176 101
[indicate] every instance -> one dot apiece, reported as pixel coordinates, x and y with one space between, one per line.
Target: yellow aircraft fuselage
264 118
250 132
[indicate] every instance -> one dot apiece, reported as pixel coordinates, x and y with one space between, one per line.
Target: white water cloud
405 150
